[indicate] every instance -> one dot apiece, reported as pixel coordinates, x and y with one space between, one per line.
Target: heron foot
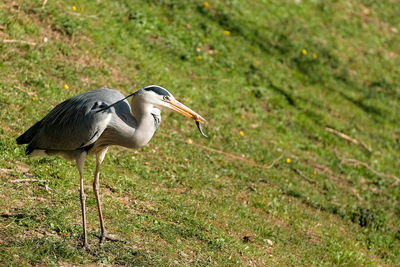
106 236
86 246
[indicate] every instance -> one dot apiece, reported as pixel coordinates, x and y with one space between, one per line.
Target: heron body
91 122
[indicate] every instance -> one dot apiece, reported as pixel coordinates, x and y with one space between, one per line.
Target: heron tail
27 136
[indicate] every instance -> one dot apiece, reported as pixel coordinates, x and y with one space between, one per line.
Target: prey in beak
184 110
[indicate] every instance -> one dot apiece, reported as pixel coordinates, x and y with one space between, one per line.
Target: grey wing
76 122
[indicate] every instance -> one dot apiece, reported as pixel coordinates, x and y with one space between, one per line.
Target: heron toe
106 236
86 246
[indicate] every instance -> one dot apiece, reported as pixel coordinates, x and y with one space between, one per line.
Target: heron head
161 98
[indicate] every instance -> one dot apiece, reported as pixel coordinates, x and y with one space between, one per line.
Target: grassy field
301 166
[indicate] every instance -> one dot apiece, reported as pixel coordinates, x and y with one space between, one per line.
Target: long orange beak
184 110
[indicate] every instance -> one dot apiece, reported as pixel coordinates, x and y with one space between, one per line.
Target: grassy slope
177 203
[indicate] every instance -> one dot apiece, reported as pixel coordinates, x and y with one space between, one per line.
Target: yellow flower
66 86
241 133
206 4
314 56
227 32
304 52
82 9
200 57
34 98
315 172
189 141
74 8
288 160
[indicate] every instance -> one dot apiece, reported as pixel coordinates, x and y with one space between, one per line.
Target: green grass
285 72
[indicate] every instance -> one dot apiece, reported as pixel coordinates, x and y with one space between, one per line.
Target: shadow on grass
52 250
374 221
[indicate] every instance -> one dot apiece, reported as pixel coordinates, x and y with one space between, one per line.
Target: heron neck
145 127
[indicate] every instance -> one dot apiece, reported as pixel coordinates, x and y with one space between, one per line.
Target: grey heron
91 122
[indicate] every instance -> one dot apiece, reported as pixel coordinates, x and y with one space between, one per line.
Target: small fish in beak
181 108
201 131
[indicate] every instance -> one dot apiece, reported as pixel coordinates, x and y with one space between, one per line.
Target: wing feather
74 123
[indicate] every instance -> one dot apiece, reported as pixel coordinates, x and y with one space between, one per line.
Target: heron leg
96 188
80 161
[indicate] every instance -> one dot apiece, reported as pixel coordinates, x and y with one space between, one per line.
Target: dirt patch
5 172
313 237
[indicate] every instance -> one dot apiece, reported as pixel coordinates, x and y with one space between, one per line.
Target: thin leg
96 188
80 161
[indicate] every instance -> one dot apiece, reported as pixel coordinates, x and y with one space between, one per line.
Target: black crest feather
158 90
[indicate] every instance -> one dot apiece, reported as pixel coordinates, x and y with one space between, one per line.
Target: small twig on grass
11 41
355 162
24 91
275 161
46 186
211 78
395 183
44 3
229 155
323 168
48 189
329 172
213 161
27 180
232 156
298 172
82 15
348 138
5 171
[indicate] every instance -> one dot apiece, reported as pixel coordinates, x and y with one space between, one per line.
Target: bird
91 122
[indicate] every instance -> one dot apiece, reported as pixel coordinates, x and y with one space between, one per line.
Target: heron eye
166 98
